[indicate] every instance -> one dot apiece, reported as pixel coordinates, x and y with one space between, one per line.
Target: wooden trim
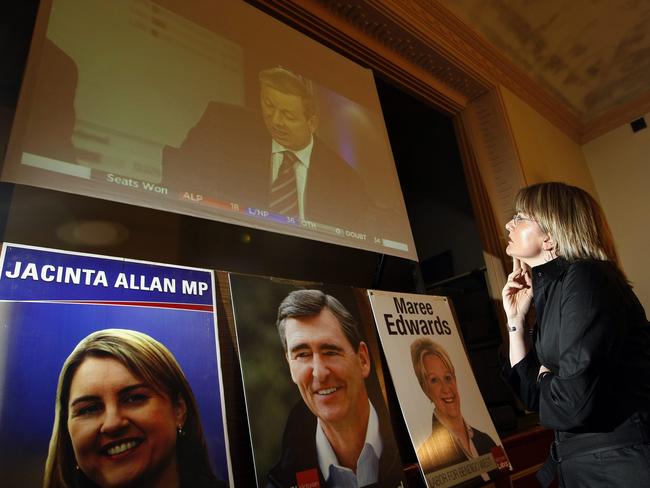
525 472
478 59
496 154
617 117
371 40
422 46
493 249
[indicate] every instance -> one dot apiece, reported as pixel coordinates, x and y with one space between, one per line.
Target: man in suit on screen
271 160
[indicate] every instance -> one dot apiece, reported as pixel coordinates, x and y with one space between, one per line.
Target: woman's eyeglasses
516 218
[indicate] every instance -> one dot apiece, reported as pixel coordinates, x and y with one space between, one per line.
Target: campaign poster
141 389
450 427
317 407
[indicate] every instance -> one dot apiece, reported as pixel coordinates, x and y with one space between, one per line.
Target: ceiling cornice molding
352 28
381 20
482 59
427 49
621 115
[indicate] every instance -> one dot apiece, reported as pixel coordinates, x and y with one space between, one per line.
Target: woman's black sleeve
588 333
522 377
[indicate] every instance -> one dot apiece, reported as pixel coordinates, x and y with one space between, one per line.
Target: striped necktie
284 192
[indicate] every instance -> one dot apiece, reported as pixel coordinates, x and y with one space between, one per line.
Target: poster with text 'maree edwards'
109 373
452 433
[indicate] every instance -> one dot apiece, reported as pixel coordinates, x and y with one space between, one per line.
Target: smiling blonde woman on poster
588 373
125 417
452 439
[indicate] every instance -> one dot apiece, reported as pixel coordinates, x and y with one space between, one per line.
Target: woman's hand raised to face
517 294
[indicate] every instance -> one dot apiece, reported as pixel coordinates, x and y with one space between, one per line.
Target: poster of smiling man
310 368
109 373
451 430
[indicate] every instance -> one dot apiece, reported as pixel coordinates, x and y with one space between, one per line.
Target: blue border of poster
50 300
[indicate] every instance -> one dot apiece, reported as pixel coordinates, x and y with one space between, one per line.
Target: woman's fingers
515 274
514 284
520 276
517 290
528 279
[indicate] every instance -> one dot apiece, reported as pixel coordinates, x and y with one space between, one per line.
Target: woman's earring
180 431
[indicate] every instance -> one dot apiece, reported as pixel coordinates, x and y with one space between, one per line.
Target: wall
619 162
546 153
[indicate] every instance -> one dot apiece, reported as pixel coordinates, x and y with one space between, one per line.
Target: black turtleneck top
593 334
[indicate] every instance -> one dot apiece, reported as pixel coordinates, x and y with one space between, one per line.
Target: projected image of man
270 158
308 179
288 109
289 113
335 432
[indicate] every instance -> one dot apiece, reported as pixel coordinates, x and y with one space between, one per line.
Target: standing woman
588 371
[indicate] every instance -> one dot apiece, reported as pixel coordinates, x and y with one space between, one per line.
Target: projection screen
210 109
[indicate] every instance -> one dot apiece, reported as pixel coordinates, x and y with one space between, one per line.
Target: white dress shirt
301 167
367 471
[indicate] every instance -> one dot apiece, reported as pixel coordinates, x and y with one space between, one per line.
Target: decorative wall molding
480 59
382 23
429 51
421 45
375 41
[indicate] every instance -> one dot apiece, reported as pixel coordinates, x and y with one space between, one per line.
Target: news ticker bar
87 173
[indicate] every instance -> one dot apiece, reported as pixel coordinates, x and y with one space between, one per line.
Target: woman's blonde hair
147 359
423 347
572 217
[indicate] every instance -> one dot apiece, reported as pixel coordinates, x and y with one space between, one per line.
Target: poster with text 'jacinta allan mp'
109 373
